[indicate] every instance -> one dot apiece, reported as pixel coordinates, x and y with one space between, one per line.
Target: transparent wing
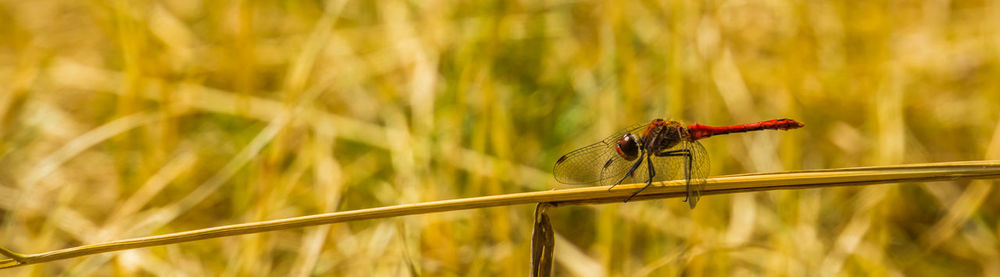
598 162
675 167
700 167
617 168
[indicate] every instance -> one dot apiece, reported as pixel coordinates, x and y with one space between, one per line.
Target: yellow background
123 119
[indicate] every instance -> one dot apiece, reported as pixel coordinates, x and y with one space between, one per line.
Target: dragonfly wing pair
594 164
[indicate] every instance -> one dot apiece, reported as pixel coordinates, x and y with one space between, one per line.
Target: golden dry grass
123 119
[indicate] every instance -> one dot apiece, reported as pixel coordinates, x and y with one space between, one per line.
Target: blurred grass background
123 118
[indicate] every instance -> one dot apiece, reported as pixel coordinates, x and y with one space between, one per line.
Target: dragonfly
667 149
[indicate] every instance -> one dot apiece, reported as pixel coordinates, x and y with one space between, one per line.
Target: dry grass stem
586 195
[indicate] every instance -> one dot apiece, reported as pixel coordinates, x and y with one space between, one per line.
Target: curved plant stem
575 196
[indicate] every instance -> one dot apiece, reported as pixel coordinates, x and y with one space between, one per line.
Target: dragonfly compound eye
628 147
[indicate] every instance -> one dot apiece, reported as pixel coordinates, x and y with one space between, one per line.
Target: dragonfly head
628 147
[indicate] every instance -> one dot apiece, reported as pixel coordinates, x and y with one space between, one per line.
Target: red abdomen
699 131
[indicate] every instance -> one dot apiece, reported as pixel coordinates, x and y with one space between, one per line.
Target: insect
668 149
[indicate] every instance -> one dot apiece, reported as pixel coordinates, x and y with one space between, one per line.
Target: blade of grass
576 196
15 258
542 242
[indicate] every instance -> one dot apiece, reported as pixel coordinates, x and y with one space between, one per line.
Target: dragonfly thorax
661 135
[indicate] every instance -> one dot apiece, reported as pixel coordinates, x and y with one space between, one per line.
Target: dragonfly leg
649 181
630 171
687 170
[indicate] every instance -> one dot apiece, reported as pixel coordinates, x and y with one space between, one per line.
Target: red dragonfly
670 150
